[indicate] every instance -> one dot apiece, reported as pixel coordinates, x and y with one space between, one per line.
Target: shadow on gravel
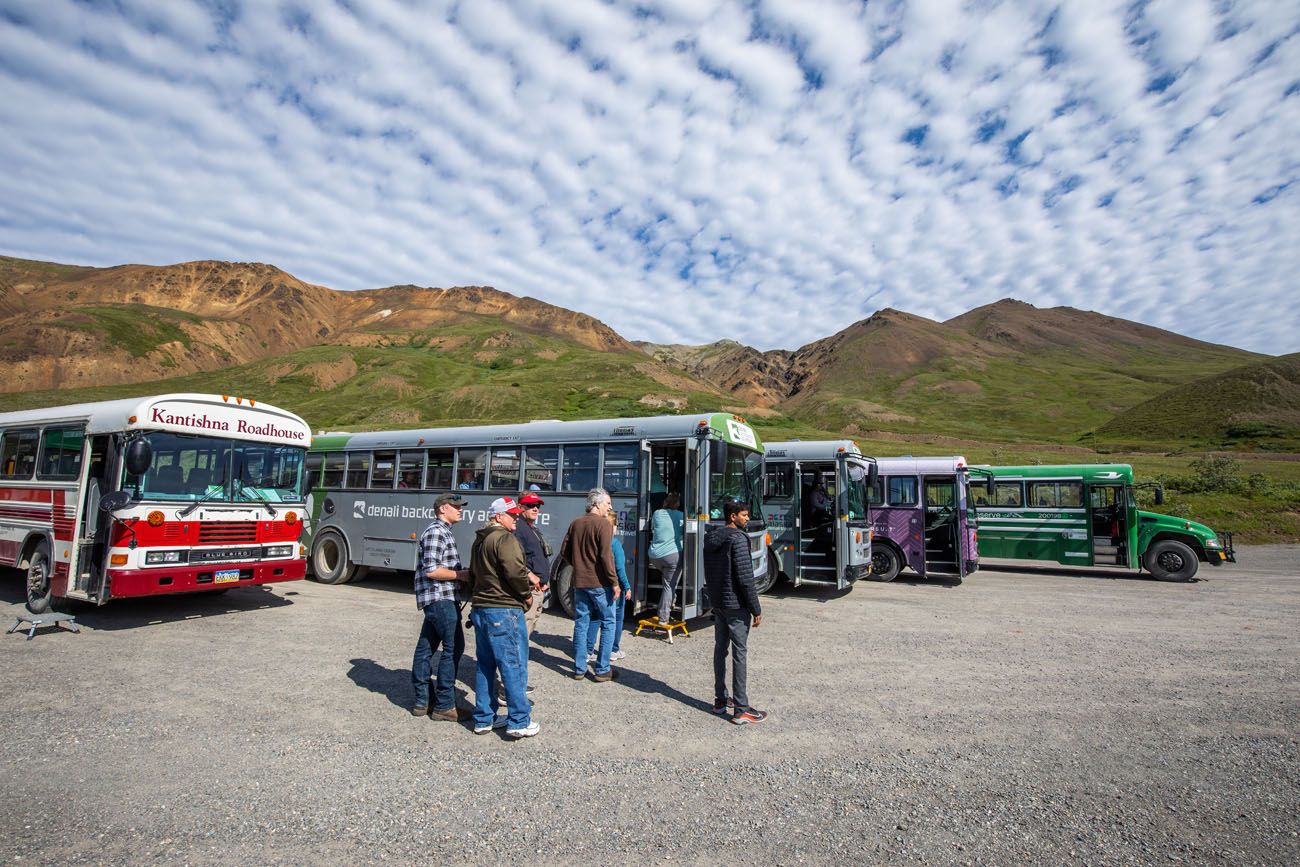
386 579
821 595
393 684
1093 573
633 679
155 610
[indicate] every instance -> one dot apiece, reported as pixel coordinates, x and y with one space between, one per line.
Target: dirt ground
1025 716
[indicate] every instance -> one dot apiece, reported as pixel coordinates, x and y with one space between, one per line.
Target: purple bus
923 517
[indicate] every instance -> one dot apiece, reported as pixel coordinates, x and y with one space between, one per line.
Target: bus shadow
820 595
1092 573
387 580
157 610
945 582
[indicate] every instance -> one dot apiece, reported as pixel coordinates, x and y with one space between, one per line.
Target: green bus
1087 515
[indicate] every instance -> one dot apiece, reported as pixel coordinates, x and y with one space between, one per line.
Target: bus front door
1108 525
664 472
942 543
852 526
819 561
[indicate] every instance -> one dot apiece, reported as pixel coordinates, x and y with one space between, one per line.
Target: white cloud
685 171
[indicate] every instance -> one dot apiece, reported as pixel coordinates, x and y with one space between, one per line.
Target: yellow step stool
654 623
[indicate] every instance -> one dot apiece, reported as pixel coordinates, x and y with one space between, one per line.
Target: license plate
225 576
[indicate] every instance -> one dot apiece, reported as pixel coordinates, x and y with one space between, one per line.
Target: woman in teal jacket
666 550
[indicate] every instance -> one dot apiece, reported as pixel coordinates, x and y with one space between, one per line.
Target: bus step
1105 550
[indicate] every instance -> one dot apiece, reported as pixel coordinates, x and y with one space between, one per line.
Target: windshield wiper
249 492
203 499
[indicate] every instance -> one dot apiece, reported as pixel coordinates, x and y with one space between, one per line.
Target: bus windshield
735 473
215 470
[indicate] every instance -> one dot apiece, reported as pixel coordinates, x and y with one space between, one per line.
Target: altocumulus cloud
685 170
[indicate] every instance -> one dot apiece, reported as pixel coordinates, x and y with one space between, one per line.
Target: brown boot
450 714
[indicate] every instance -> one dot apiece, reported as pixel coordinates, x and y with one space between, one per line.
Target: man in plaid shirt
439 593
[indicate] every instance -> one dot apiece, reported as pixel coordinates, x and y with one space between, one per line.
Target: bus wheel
1171 560
562 588
39 589
329 559
885 563
773 576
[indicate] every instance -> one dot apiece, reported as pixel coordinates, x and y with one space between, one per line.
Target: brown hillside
759 379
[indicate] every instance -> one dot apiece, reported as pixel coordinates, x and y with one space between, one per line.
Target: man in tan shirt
586 548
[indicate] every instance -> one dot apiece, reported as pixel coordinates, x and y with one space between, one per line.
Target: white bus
815 502
151 495
373 493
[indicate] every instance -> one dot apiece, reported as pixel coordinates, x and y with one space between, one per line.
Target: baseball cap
531 499
503 506
450 500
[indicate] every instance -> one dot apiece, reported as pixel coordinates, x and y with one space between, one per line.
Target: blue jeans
586 602
441 634
620 611
501 641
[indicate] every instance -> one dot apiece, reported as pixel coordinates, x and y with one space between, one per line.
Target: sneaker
450 714
749 715
606 677
533 728
419 710
617 655
498 723
591 657
721 706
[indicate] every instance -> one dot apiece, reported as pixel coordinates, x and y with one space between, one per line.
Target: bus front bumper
124 583
1225 553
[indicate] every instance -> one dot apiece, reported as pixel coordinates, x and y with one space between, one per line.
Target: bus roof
810 450
723 426
1086 472
211 414
910 466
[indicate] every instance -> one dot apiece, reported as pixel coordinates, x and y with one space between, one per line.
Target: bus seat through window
200 478
169 480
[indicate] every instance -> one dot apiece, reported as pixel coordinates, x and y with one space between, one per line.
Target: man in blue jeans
502 593
586 548
439 594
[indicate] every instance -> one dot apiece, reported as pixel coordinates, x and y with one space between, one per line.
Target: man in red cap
537 554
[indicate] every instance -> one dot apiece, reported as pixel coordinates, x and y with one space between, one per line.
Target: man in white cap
501 594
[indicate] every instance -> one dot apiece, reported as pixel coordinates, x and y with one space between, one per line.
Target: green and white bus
1087 515
373 493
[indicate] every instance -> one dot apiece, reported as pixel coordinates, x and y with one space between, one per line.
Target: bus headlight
278 551
1212 543
154 558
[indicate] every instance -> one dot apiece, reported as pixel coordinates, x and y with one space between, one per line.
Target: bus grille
227 531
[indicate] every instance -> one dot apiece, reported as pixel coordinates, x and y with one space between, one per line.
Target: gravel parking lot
1024 716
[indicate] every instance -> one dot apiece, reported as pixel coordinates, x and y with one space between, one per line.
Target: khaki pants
534 611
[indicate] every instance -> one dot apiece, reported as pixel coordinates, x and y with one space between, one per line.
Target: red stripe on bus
149 582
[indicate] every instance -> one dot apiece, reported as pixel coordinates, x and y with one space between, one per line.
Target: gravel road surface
1025 716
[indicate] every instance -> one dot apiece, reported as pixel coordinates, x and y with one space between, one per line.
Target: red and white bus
166 494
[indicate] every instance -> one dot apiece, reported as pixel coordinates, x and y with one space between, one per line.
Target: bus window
622 474
439 473
856 488
902 490
18 454
981 492
778 482
381 475
314 462
409 464
876 493
469 469
541 464
1070 495
61 452
939 493
503 474
358 469
332 476
1008 494
1042 495
579 471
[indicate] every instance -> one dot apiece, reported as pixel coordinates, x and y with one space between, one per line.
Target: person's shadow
628 677
394 684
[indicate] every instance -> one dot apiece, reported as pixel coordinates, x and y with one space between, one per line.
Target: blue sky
684 170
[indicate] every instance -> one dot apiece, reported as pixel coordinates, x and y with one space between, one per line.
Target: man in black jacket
729 575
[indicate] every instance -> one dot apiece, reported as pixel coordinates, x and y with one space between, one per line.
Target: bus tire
772 578
885 563
359 573
1171 560
562 588
330 562
40 590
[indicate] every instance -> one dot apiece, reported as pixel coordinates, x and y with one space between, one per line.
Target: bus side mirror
1160 496
114 501
139 457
